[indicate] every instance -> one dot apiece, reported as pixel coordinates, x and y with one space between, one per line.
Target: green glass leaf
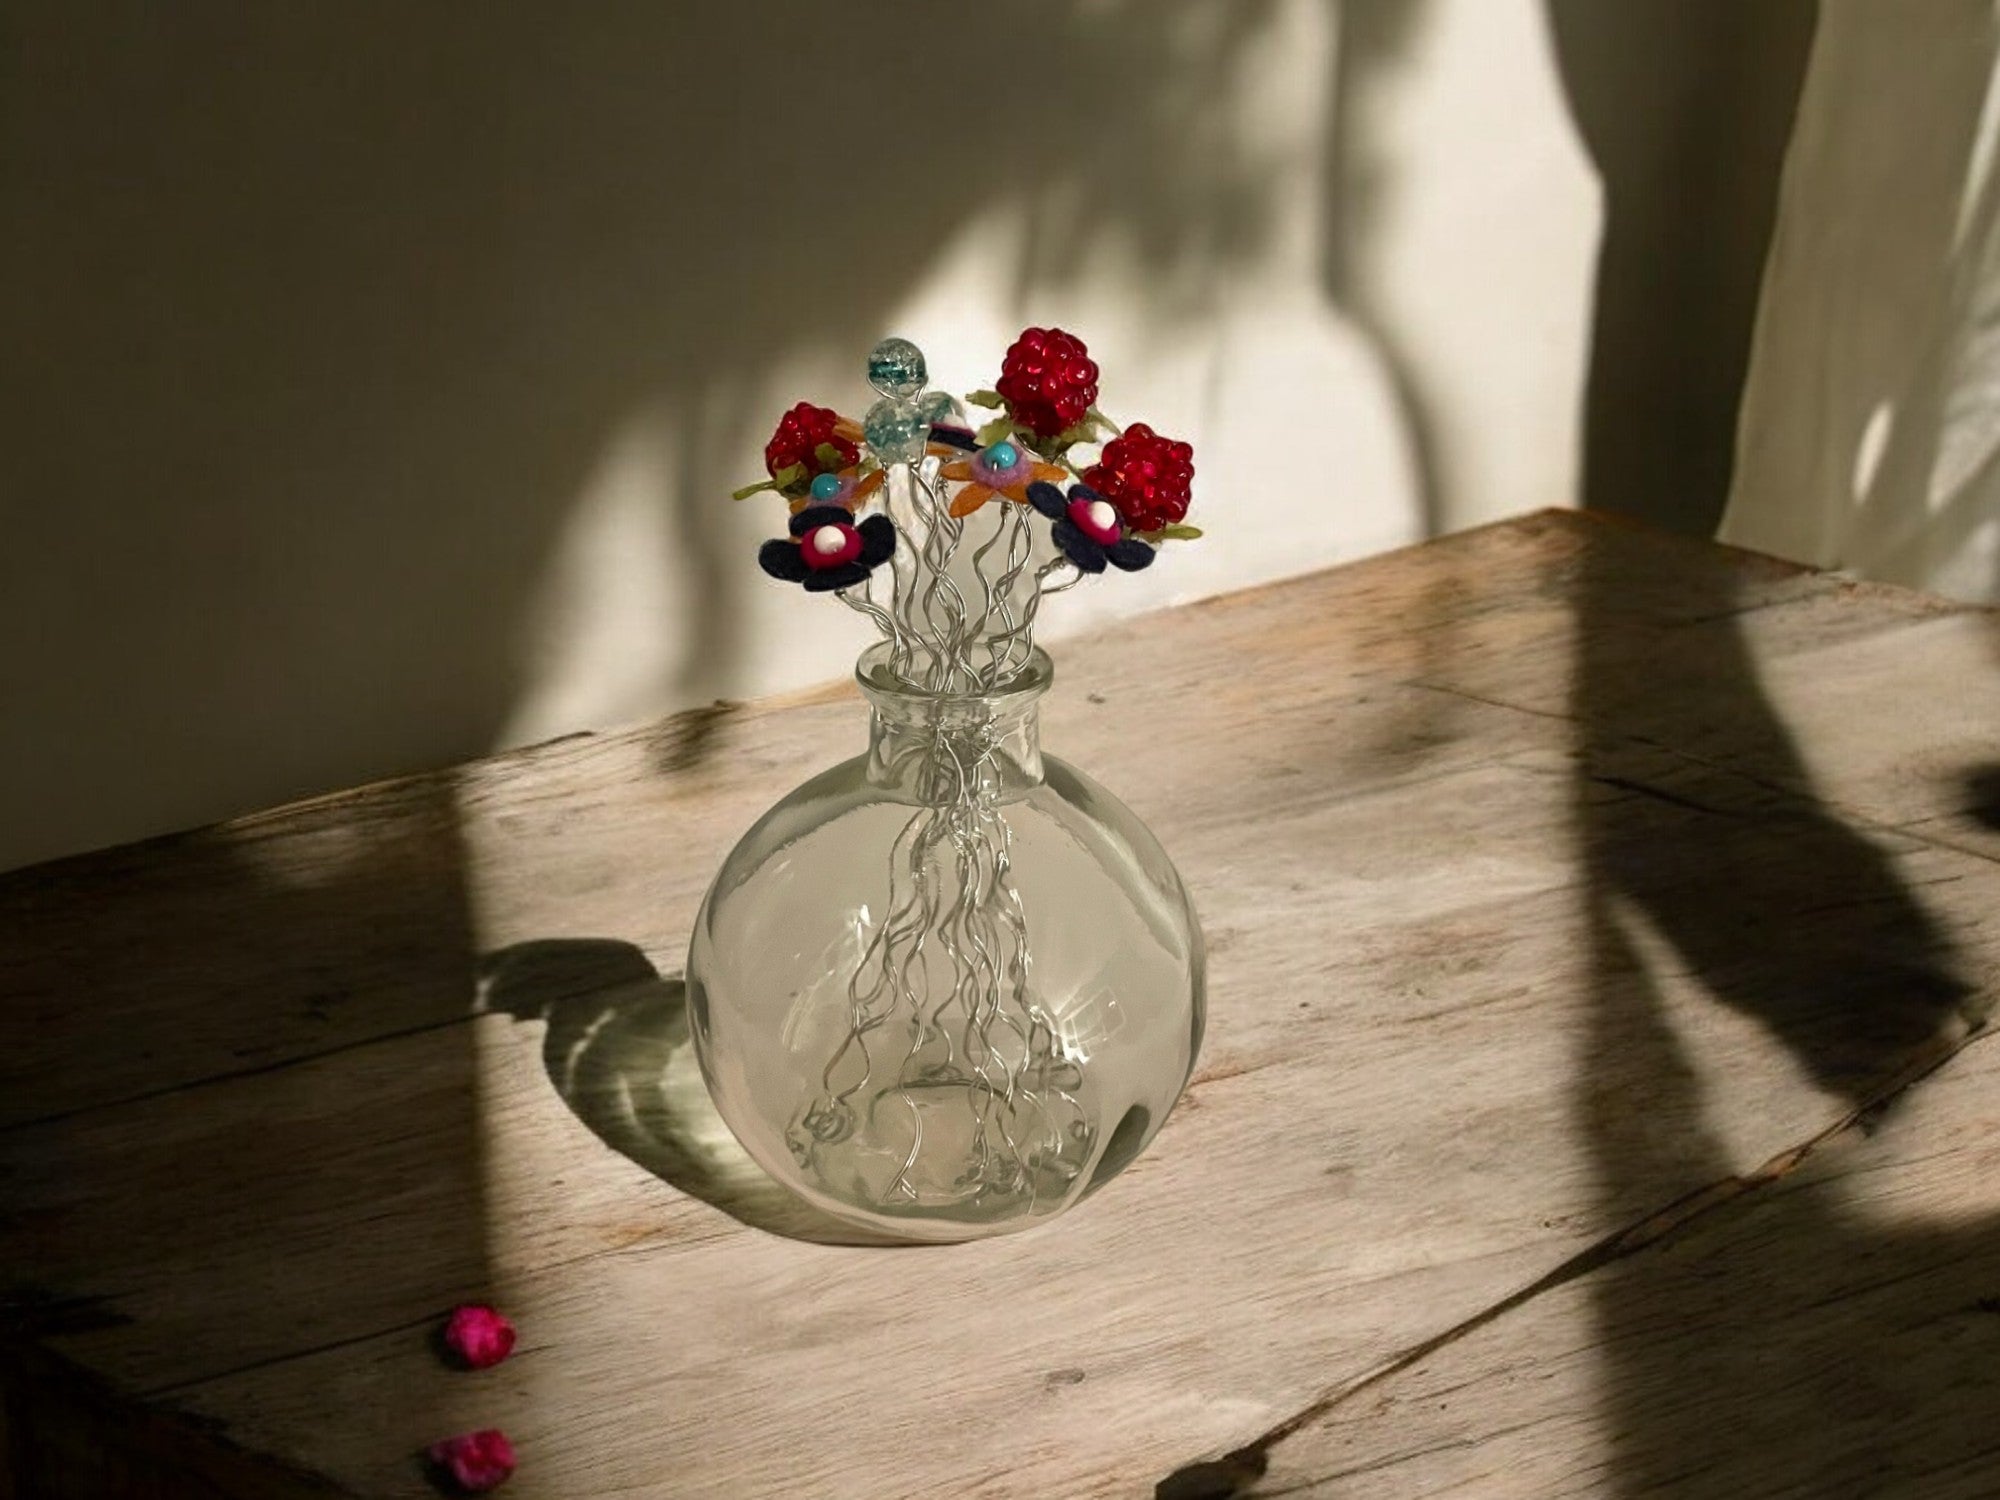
1102 422
829 457
988 399
993 431
1083 432
1179 533
788 476
753 489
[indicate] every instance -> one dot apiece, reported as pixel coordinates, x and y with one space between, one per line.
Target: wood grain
1553 874
1835 1331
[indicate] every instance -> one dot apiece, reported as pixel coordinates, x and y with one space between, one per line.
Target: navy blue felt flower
827 550
1088 530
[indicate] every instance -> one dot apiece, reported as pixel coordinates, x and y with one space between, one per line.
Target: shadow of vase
619 1054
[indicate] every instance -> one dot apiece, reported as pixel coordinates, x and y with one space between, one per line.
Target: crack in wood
1375 1466
257 1070
1472 697
1933 841
1645 789
1230 1476
433 1319
1889 898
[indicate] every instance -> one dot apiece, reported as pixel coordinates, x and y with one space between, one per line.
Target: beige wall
377 374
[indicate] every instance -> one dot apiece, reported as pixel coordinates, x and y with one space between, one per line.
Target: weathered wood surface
1833 1332
1554 874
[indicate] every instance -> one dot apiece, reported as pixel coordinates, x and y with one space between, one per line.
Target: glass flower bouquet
949 987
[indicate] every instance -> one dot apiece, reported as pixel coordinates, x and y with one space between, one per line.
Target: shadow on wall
319 322
1686 111
1685 108
1373 38
319 319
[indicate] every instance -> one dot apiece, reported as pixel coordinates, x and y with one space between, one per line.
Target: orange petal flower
969 499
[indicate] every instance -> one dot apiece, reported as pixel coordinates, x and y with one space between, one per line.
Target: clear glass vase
947 988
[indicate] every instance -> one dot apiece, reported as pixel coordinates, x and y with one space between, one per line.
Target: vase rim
879 685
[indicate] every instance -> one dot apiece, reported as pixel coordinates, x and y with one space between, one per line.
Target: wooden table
1592 1101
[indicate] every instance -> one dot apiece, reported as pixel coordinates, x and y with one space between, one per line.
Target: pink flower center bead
829 546
1095 519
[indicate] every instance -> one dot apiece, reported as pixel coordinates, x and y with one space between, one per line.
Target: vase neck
952 747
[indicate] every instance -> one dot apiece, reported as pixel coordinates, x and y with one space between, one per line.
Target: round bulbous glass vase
947 988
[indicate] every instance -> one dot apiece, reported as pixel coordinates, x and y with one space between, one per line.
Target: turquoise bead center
826 486
1002 455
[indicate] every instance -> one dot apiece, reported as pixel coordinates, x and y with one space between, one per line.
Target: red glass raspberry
1048 381
797 441
1146 476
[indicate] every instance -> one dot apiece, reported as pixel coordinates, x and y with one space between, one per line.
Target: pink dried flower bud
478 1335
475 1461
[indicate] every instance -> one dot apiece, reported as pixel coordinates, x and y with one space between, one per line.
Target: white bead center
828 540
1102 516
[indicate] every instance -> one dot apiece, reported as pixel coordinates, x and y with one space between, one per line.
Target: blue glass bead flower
895 431
896 368
940 406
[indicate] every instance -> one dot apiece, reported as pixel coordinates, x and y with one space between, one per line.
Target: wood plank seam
429 1320
1913 830
1228 1476
235 1075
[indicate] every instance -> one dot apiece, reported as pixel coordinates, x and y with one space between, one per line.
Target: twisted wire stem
958 619
952 1085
